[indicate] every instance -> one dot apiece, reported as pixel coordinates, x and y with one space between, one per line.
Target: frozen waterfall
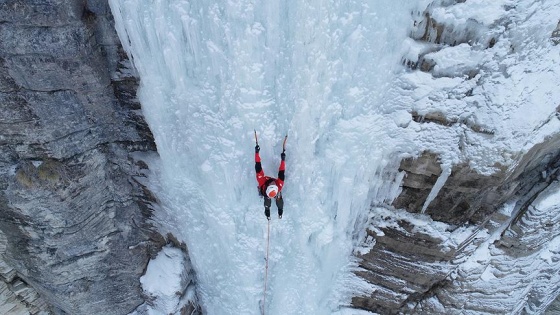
211 72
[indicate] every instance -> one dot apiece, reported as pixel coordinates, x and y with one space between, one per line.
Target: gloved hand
257 148
283 156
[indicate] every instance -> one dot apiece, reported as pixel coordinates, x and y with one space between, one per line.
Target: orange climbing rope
266 267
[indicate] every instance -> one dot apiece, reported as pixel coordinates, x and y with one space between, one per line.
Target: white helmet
271 191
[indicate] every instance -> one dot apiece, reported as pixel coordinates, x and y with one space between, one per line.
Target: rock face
476 257
409 267
75 235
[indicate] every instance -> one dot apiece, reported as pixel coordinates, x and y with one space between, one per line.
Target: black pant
279 205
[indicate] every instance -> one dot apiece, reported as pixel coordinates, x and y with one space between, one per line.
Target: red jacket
264 181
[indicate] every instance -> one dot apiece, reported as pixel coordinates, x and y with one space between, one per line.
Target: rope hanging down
266 268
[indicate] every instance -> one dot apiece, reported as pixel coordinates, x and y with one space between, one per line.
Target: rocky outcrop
389 265
436 34
74 221
169 282
457 240
466 195
16 296
411 269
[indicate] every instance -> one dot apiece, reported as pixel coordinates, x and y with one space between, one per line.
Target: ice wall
213 71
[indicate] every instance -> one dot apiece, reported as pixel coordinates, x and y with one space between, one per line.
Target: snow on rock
517 261
549 200
456 61
481 11
482 102
162 279
166 282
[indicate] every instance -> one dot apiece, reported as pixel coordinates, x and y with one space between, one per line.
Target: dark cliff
75 235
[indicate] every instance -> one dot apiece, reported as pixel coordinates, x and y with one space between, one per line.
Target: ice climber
270 187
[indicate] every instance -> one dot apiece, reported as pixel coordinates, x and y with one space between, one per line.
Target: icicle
446 171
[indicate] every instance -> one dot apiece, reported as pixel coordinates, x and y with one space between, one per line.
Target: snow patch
550 199
164 281
402 118
481 11
456 61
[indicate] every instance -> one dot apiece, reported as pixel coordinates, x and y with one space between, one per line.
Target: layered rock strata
74 220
